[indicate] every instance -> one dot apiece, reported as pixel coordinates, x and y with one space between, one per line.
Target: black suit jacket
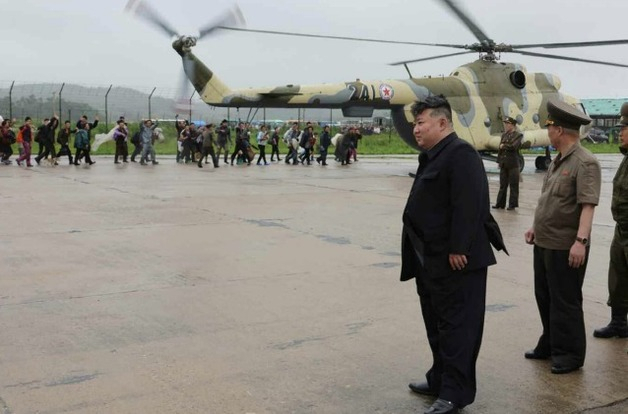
447 210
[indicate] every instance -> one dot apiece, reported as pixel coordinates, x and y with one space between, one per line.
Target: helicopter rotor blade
573 59
232 18
573 44
429 58
145 11
358 39
475 29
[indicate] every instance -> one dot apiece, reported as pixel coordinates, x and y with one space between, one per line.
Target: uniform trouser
147 149
226 150
209 151
618 271
274 151
558 292
508 177
122 150
453 305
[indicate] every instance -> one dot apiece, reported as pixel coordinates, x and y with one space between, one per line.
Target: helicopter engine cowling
404 124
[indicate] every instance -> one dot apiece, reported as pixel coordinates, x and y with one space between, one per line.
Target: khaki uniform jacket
508 156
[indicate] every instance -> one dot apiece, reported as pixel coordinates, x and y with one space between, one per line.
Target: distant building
604 111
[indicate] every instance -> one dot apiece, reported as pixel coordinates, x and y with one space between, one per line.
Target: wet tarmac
261 289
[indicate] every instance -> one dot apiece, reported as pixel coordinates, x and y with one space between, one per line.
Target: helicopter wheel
522 163
542 162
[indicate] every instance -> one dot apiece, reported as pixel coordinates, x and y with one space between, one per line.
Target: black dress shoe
564 369
534 354
510 208
442 407
497 207
422 388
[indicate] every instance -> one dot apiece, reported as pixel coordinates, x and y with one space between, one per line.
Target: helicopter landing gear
521 162
542 162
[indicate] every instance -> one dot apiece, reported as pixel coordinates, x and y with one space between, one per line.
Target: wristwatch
582 240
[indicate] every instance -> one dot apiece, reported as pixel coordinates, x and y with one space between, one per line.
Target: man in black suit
446 249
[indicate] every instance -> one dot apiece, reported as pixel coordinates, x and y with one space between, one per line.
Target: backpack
20 135
135 139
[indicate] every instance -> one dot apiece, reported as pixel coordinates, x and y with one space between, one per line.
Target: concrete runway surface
257 290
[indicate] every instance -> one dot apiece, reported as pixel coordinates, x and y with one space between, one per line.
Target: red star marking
386 91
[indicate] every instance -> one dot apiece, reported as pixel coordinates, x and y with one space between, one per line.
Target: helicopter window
487 122
536 118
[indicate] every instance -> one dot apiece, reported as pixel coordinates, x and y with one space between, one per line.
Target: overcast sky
96 43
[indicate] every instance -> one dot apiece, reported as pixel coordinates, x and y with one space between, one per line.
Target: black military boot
617 327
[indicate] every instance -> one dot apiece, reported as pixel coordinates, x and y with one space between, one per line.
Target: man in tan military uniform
508 161
618 265
561 232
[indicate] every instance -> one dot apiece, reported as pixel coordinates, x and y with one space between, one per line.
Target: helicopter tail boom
211 89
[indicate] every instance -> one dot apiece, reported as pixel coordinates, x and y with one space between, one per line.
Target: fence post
107 108
149 98
11 100
60 91
193 92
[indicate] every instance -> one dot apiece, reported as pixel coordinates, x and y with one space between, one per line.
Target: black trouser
65 150
558 292
508 177
323 156
208 151
6 151
305 156
245 153
226 149
453 304
136 151
262 154
275 151
188 150
45 149
80 153
122 150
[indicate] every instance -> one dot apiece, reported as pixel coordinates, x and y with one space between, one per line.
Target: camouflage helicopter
481 93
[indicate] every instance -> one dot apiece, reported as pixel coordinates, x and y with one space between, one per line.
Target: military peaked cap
562 114
624 115
510 120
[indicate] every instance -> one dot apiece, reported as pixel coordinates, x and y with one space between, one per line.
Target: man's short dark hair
28 118
437 103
